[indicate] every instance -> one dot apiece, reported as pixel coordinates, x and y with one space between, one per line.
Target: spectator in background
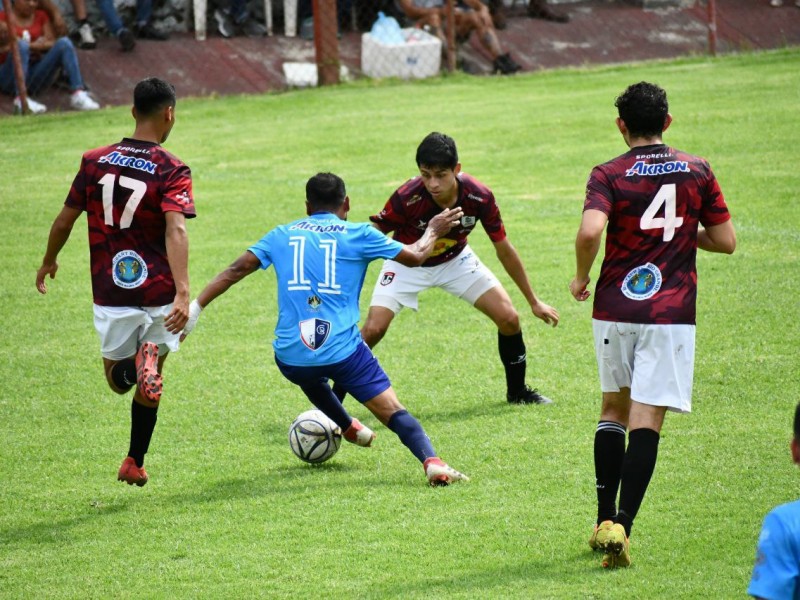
42 55
236 20
84 34
471 15
776 574
537 9
142 28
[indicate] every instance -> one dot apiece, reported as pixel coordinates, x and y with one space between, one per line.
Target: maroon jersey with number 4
655 198
411 207
125 190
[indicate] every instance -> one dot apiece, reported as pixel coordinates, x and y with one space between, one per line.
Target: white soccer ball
313 437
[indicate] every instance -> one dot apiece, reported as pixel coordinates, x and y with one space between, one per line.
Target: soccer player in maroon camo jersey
137 197
453 266
659 205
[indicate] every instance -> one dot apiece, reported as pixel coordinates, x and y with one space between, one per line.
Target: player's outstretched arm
512 263
587 245
243 266
59 234
417 253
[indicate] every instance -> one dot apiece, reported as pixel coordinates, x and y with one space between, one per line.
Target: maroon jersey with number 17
411 207
125 190
655 198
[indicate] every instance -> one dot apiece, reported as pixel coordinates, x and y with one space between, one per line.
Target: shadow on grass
297 480
523 576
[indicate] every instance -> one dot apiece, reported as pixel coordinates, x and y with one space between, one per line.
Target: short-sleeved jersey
655 198
125 190
409 209
776 574
320 262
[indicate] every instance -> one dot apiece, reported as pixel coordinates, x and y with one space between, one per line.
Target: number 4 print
138 190
666 195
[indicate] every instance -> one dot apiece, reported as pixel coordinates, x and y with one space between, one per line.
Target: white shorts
465 277
655 361
122 329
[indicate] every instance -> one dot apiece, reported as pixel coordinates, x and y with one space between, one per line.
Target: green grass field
231 513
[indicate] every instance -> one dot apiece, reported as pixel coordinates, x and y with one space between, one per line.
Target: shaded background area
599 32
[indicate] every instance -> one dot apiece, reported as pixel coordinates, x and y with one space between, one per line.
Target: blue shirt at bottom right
776 575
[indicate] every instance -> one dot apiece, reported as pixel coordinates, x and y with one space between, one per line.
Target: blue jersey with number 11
320 262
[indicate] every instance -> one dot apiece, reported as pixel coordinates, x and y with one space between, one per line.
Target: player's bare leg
496 304
387 408
379 318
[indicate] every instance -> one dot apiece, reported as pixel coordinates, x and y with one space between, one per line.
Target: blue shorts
359 374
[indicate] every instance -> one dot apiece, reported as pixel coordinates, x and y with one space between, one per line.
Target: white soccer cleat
359 434
440 473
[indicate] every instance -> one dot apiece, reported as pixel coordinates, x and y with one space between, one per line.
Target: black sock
512 355
637 469
123 374
83 21
339 391
411 434
143 422
609 452
321 396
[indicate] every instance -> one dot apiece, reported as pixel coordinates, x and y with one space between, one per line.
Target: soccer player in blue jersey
776 575
320 262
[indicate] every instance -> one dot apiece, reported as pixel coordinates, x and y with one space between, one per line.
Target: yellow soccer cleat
617 548
599 535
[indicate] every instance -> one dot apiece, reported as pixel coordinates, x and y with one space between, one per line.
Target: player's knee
508 322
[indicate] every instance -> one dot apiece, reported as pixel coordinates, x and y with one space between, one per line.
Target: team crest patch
128 269
642 282
314 332
467 221
387 278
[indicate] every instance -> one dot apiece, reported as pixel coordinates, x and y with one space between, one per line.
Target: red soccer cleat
359 434
131 474
147 376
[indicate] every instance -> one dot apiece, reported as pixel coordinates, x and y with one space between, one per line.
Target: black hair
437 150
151 95
325 191
797 423
643 107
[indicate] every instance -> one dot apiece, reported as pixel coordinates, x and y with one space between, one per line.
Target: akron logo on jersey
128 269
642 282
314 332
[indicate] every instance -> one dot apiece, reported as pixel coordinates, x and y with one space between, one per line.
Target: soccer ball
313 437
